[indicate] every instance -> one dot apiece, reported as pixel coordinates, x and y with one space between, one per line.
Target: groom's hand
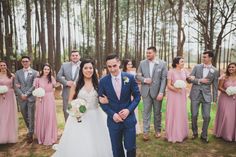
124 113
117 118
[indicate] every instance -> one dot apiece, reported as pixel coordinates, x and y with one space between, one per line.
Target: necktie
117 87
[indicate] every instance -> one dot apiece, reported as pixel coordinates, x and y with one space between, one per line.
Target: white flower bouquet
39 92
180 84
231 90
76 108
3 89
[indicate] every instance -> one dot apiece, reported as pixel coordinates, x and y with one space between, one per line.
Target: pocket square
158 70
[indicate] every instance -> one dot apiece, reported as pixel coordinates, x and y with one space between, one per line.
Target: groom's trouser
65 104
206 108
148 103
27 110
117 135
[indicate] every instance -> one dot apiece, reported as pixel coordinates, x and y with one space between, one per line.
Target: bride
90 136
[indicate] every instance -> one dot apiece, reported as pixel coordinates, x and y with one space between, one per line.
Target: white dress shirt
74 68
26 72
206 70
151 66
113 79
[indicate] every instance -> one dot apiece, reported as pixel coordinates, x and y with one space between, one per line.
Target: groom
118 87
204 90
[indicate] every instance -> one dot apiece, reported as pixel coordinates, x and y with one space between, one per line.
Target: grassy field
153 148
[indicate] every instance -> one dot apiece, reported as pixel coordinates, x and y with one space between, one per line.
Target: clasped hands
117 117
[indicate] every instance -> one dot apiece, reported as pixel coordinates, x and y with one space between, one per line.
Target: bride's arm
71 93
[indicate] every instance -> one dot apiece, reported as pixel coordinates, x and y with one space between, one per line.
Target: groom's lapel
109 83
122 86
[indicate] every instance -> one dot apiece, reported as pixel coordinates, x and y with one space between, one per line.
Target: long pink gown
45 113
225 121
176 110
8 113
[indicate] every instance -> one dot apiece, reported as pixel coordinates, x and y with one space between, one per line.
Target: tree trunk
1 33
50 33
58 36
42 33
28 28
68 26
117 42
127 29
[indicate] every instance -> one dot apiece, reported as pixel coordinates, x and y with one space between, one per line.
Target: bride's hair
80 82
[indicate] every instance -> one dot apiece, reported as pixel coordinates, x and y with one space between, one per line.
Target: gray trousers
65 104
206 109
27 110
150 103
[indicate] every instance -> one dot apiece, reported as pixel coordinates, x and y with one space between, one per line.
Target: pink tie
117 87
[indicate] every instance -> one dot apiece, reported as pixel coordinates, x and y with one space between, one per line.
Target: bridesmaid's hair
49 74
126 62
9 75
176 61
80 83
227 69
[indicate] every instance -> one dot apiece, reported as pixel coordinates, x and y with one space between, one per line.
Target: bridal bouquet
231 90
3 89
76 108
180 84
38 92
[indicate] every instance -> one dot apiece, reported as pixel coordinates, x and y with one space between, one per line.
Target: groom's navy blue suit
125 129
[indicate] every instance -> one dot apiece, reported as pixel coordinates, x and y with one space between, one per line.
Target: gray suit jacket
159 76
205 88
64 75
25 85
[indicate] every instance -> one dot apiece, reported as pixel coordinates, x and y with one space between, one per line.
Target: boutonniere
212 70
125 79
30 73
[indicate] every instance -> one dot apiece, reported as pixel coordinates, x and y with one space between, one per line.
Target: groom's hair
152 48
209 52
112 56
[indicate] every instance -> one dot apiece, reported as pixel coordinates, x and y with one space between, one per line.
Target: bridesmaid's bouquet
76 108
3 91
231 90
39 92
180 84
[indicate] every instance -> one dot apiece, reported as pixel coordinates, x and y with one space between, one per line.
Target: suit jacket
159 76
115 105
197 87
25 85
64 75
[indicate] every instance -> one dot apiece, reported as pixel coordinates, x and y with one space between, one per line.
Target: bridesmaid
45 114
128 67
225 121
8 107
176 109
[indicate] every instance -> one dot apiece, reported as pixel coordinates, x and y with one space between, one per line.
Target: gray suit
64 75
202 93
150 92
27 107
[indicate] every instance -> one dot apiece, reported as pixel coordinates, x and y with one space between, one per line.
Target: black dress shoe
195 136
205 140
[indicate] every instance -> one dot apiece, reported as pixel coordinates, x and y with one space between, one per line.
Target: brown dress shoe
158 135
145 137
30 139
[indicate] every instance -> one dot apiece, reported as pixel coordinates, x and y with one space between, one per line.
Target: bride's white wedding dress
89 138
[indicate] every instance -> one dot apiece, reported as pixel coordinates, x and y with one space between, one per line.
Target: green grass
153 148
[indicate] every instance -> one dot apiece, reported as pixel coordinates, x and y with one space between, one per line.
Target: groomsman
204 88
24 87
67 76
152 74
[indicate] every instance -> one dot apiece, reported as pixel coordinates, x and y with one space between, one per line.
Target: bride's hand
103 99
